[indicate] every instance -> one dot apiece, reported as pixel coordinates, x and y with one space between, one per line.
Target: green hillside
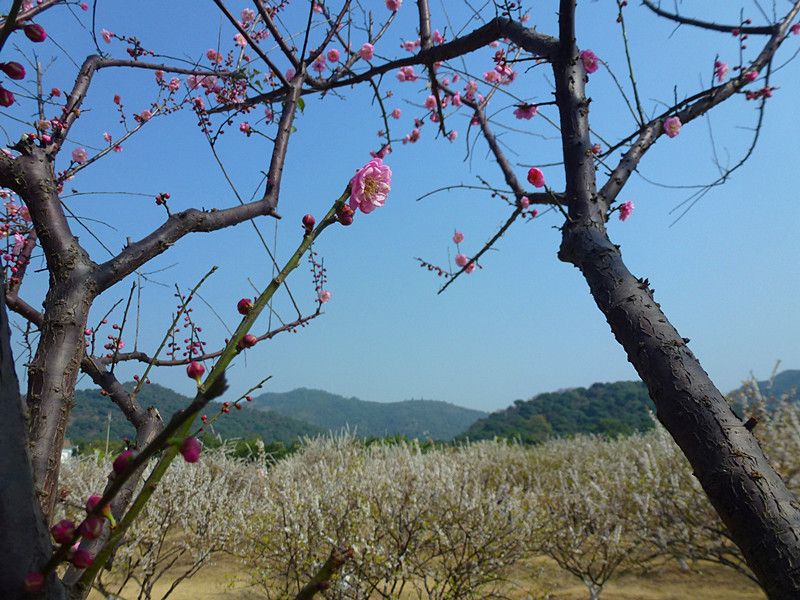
412 418
607 408
89 418
781 384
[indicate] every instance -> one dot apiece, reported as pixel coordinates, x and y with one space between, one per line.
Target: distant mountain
89 419
412 418
781 384
608 408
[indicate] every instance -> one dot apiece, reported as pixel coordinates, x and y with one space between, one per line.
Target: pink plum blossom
720 70
469 268
751 75
324 296
107 137
672 126
333 55
461 260
524 202
106 35
526 111
458 237
145 116
393 5
80 156
452 135
596 149
536 177
174 84
213 55
370 186
409 46
239 40
199 102
430 102
290 73
795 29
367 51
407 74
319 64
437 37
396 113
247 16
84 6
590 61
55 92
625 210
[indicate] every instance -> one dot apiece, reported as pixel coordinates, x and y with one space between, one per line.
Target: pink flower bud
13 69
33 582
345 215
190 449
35 33
82 559
524 202
63 531
244 306
122 461
91 528
92 502
308 222
249 340
6 97
195 371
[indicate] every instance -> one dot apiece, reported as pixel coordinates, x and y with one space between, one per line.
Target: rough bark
761 514
22 529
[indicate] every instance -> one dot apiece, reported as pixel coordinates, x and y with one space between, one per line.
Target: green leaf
301 104
293 129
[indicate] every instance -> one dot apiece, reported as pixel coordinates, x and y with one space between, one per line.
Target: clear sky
727 273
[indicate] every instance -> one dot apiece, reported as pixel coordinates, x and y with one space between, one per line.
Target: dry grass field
536 580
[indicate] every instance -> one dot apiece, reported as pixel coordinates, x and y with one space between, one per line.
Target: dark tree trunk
761 514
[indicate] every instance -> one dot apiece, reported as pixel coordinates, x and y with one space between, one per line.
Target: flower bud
249 340
35 33
33 582
82 559
122 461
308 222
13 69
91 528
6 97
345 215
190 449
63 531
195 371
244 306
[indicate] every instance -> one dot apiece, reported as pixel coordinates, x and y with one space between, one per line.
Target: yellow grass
538 579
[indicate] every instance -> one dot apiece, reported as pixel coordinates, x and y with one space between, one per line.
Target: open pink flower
80 156
106 35
393 5
324 296
461 260
536 177
396 113
625 210
590 61
367 51
526 111
458 237
672 126
720 70
333 55
370 186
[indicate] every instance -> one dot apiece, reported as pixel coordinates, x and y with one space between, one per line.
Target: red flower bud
308 222
249 340
122 461
345 215
190 449
195 371
82 559
33 582
91 528
13 69
35 33
6 97
63 531
244 306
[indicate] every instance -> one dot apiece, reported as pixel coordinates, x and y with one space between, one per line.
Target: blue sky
727 274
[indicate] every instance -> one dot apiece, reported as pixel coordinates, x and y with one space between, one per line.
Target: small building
67 450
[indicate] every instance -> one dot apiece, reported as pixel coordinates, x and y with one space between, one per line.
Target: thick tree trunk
23 534
761 514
